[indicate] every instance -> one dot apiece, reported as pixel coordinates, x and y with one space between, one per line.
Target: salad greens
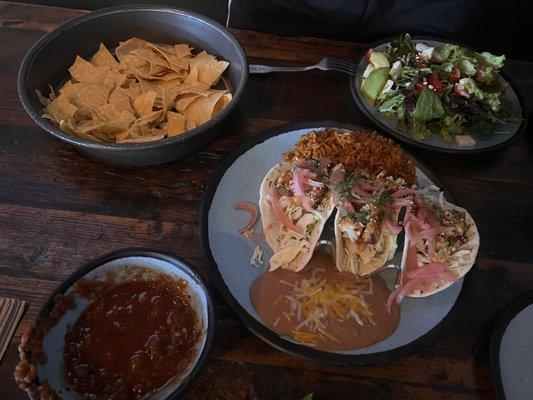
447 90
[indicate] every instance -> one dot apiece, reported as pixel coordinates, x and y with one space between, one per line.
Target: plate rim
500 327
261 330
359 101
162 255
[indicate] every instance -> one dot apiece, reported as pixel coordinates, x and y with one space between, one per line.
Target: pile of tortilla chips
153 91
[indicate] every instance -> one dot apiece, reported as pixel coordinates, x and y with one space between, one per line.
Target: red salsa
132 339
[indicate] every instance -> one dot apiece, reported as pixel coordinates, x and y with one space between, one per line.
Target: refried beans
273 294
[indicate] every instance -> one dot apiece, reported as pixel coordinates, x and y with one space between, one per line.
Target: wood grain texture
59 209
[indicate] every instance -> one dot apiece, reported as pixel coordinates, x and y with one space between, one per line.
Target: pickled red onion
250 208
300 180
297 183
399 293
336 174
437 271
369 186
347 205
416 222
401 202
308 174
393 228
278 211
358 192
404 192
428 269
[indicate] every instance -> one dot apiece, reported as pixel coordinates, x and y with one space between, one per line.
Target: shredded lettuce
491 60
467 67
428 106
492 101
446 50
444 69
419 129
486 76
472 89
454 123
401 47
394 105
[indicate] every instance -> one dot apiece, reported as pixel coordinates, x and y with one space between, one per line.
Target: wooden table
59 209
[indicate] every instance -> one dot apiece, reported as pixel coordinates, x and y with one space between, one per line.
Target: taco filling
366 223
295 205
441 246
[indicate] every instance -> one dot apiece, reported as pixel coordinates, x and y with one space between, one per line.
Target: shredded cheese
314 300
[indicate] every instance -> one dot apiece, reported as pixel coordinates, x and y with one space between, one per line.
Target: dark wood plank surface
59 209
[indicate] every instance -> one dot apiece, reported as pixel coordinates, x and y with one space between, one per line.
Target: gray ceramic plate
512 350
502 133
227 253
54 341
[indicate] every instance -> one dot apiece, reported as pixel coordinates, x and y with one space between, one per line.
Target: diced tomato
455 75
420 87
433 80
420 64
460 91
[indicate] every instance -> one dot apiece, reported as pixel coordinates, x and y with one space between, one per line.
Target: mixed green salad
448 90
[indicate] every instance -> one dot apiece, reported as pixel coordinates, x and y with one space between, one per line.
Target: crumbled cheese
257 256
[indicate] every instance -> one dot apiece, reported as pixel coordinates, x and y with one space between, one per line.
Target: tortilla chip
106 112
152 91
221 103
125 48
182 50
178 63
151 118
183 101
209 68
120 101
151 57
103 58
83 71
61 108
144 103
177 124
132 61
201 109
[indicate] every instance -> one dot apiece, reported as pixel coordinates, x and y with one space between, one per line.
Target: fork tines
344 66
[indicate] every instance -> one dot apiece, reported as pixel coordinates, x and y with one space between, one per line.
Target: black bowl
51 368
47 63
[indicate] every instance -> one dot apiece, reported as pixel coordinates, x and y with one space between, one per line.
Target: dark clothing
485 24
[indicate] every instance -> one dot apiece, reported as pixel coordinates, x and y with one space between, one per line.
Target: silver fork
326 64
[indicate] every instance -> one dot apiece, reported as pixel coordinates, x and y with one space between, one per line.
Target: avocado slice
379 60
374 83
